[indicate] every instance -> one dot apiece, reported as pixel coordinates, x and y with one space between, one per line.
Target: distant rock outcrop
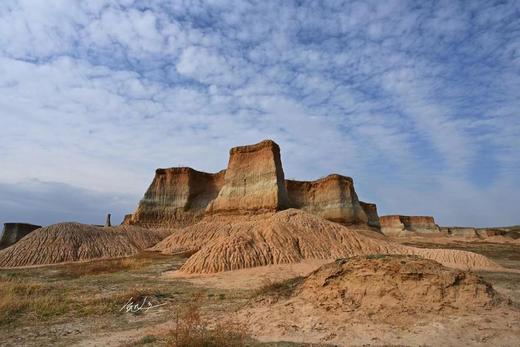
108 222
396 225
512 233
13 232
253 183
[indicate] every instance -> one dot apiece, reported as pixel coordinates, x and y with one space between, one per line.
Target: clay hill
66 242
259 218
222 243
253 183
396 289
395 225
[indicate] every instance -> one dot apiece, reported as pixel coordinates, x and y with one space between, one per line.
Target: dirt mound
386 289
66 242
387 285
222 243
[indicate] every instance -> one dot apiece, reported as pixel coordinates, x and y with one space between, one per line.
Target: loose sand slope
396 290
67 242
220 243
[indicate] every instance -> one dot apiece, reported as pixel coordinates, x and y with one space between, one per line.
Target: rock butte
395 225
176 197
253 183
13 232
469 232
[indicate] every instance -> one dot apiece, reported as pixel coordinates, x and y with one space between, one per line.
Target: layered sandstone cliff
371 212
332 197
253 183
396 225
176 197
13 232
512 233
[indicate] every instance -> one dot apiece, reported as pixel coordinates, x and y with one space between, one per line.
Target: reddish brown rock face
332 197
400 225
254 181
177 197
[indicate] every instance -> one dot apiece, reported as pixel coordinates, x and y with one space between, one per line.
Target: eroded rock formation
108 223
483 233
253 183
396 225
176 197
371 212
13 232
332 197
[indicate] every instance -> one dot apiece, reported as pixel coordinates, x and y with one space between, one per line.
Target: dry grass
191 330
278 289
22 299
19 297
75 270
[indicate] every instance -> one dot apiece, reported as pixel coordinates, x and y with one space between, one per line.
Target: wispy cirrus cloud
418 102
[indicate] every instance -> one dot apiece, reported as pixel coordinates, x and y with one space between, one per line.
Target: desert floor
82 305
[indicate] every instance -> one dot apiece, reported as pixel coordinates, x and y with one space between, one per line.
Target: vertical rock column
254 181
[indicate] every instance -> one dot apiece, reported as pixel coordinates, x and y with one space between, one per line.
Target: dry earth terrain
79 304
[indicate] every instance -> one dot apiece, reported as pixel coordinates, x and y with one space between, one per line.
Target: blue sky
418 101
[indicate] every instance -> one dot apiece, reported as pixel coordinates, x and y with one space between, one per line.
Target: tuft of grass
377 256
103 266
278 289
18 297
191 330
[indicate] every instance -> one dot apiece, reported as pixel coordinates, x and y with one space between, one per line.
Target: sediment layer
396 225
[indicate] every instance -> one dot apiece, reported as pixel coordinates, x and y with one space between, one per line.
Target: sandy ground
248 279
497 327
230 292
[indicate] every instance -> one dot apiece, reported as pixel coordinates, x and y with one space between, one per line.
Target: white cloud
98 94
